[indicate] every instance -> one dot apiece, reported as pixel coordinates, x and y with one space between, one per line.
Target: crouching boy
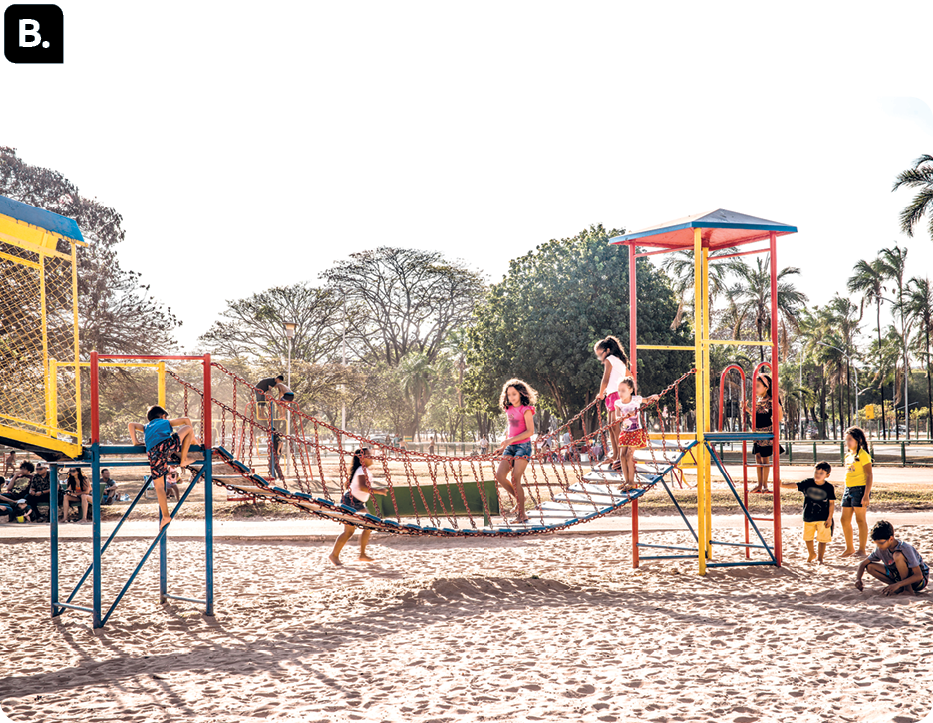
893 562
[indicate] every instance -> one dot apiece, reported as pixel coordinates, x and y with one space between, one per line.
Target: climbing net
261 436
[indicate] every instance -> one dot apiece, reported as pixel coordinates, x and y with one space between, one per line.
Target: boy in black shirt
819 503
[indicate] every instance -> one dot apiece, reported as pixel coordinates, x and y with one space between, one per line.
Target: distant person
431 447
77 491
171 484
356 496
483 446
17 485
9 463
859 477
39 490
767 418
615 369
819 503
111 491
893 562
163 442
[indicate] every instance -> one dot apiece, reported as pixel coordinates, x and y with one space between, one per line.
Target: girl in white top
356 496
615 369
633 436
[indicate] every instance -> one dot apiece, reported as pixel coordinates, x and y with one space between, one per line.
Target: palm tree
868 280
919 306
751 296
893 265
919 176
681 267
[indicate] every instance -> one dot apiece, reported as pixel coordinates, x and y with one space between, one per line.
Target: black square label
34 34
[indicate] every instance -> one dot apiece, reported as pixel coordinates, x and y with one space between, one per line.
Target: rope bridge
562 491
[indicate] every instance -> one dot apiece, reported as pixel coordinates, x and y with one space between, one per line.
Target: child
819 503
22 512
78 490
518 400
632 435
858 489
356 496
893 562
615 369
766 418
161 445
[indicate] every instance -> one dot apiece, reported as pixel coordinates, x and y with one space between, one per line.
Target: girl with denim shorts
615 369
356 496
517 400
858 490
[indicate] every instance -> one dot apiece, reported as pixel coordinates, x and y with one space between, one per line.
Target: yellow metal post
74 305
701 407
45 338
53 392
706 401
162 384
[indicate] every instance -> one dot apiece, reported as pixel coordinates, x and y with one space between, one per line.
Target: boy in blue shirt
162 446
893 562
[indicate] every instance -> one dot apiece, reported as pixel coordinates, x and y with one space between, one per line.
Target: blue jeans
522 449
852 497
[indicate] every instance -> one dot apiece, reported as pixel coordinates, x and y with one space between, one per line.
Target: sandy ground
552 628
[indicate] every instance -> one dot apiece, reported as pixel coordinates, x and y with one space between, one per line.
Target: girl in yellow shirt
858 490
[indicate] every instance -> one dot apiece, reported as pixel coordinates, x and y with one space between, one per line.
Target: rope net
261 439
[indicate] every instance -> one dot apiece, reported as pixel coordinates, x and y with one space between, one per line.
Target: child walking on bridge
356 496
518 401
632 435
163 442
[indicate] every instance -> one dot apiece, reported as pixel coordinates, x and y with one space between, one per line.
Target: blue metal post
209 531
95 543
163 560
53 535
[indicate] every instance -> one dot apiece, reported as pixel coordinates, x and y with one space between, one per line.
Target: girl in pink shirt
517 400
633 435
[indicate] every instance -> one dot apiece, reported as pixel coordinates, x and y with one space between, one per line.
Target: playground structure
563 490
718 230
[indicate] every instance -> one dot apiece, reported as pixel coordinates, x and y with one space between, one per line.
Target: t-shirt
356 485
265 385
633 405
157 431
911 556
617 372
41 483
816 499
516 416
855 468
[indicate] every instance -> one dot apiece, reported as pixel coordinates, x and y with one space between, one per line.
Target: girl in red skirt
632 435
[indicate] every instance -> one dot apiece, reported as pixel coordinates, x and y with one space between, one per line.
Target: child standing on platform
615 369
518 401
356 496
767 418
858 490
632 435
163 442
819 503
893 562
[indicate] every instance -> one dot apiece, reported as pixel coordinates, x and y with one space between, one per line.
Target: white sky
253 147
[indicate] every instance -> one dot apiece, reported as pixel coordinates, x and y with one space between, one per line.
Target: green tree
681 269
541 321
918 304
751 295
868 279
893 264
919 176
254 327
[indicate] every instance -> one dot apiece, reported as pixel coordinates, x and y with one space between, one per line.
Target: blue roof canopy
720 229
53 222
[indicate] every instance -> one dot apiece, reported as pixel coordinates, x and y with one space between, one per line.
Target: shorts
611 400
892 573
765 450
290 397
634 439
522 450
350 501
852 497
819 530
164 455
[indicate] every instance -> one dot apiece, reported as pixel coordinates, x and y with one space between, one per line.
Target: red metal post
95 400
776 428
632 357
206 404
